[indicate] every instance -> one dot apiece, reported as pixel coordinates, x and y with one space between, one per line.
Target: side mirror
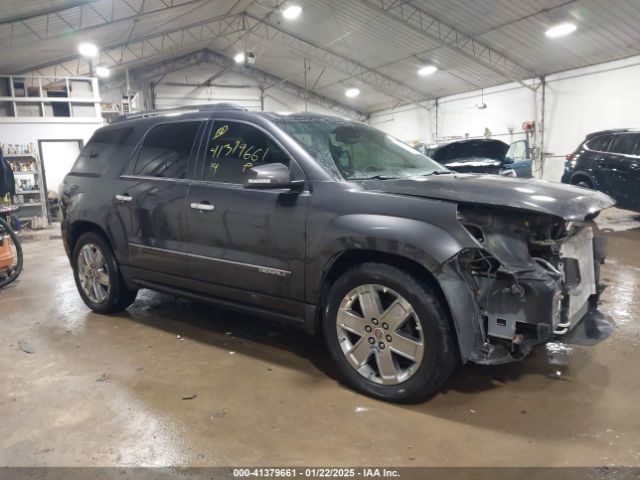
272 175
508 160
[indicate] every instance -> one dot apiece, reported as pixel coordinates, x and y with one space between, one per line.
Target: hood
471 150
557 199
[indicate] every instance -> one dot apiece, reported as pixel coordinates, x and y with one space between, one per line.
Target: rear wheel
98 277
388 333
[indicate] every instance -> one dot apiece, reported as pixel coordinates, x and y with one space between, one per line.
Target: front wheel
98 277
388 333
583 182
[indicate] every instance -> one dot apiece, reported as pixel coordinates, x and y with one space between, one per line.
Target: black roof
611 130
186 109
198 111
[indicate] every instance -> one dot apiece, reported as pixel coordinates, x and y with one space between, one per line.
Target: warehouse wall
230 87
410 123
577 102
25 131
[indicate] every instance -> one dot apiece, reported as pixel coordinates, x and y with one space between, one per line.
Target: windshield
357 152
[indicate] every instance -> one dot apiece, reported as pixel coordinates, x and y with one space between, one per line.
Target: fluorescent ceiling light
292 12
88 49
239 58
560 30
427 70
103 72
352 92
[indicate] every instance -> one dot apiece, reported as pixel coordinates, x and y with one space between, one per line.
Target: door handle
205 207
123 198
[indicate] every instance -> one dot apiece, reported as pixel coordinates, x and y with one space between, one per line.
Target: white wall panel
577 102
246 94
24 132
410 124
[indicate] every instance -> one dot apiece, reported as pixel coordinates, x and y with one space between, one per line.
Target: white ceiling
370 48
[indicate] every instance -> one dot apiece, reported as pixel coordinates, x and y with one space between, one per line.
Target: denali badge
274 271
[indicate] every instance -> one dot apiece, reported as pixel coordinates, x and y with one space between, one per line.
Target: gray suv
406 268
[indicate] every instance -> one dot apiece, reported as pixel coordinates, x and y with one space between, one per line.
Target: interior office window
236 147
165 150
624 143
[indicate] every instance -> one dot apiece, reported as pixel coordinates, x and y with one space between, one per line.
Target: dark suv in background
406 268
609 161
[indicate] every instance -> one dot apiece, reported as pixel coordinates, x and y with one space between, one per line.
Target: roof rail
185 109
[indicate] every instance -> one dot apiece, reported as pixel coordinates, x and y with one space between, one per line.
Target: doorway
57 157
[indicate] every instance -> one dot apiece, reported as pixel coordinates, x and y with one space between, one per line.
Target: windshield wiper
375 177
439 172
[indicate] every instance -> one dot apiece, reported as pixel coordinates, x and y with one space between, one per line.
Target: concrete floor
109 390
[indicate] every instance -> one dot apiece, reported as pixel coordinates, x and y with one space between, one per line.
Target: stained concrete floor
110 390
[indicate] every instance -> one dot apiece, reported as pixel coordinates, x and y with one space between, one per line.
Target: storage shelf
20 155
26 180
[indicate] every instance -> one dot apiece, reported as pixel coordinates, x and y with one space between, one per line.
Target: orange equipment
6 254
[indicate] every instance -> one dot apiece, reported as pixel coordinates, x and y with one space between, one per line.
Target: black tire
581 182
440 356
118 296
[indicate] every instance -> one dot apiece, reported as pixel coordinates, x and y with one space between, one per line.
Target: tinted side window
600 143
95 157
166 149
236 147
624 143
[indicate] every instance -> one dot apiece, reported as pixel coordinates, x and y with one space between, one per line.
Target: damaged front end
533 276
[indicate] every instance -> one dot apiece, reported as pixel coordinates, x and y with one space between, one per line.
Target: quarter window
600 143
94 158
624 143
236 147
166 149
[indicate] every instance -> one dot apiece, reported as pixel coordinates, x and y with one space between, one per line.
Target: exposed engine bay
533 275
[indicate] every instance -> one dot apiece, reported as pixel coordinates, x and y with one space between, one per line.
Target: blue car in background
482 155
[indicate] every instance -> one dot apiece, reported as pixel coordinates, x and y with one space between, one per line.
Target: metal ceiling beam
144 48
265 80
382 83
158 71
420 21
42 11
216 75
81 18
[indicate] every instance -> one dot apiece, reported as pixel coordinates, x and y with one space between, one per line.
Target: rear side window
166 149
624 143
600 143
95 157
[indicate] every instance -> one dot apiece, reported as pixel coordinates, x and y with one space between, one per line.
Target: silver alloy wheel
380 335
93 273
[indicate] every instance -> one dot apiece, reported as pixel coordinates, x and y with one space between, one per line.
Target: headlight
508 173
